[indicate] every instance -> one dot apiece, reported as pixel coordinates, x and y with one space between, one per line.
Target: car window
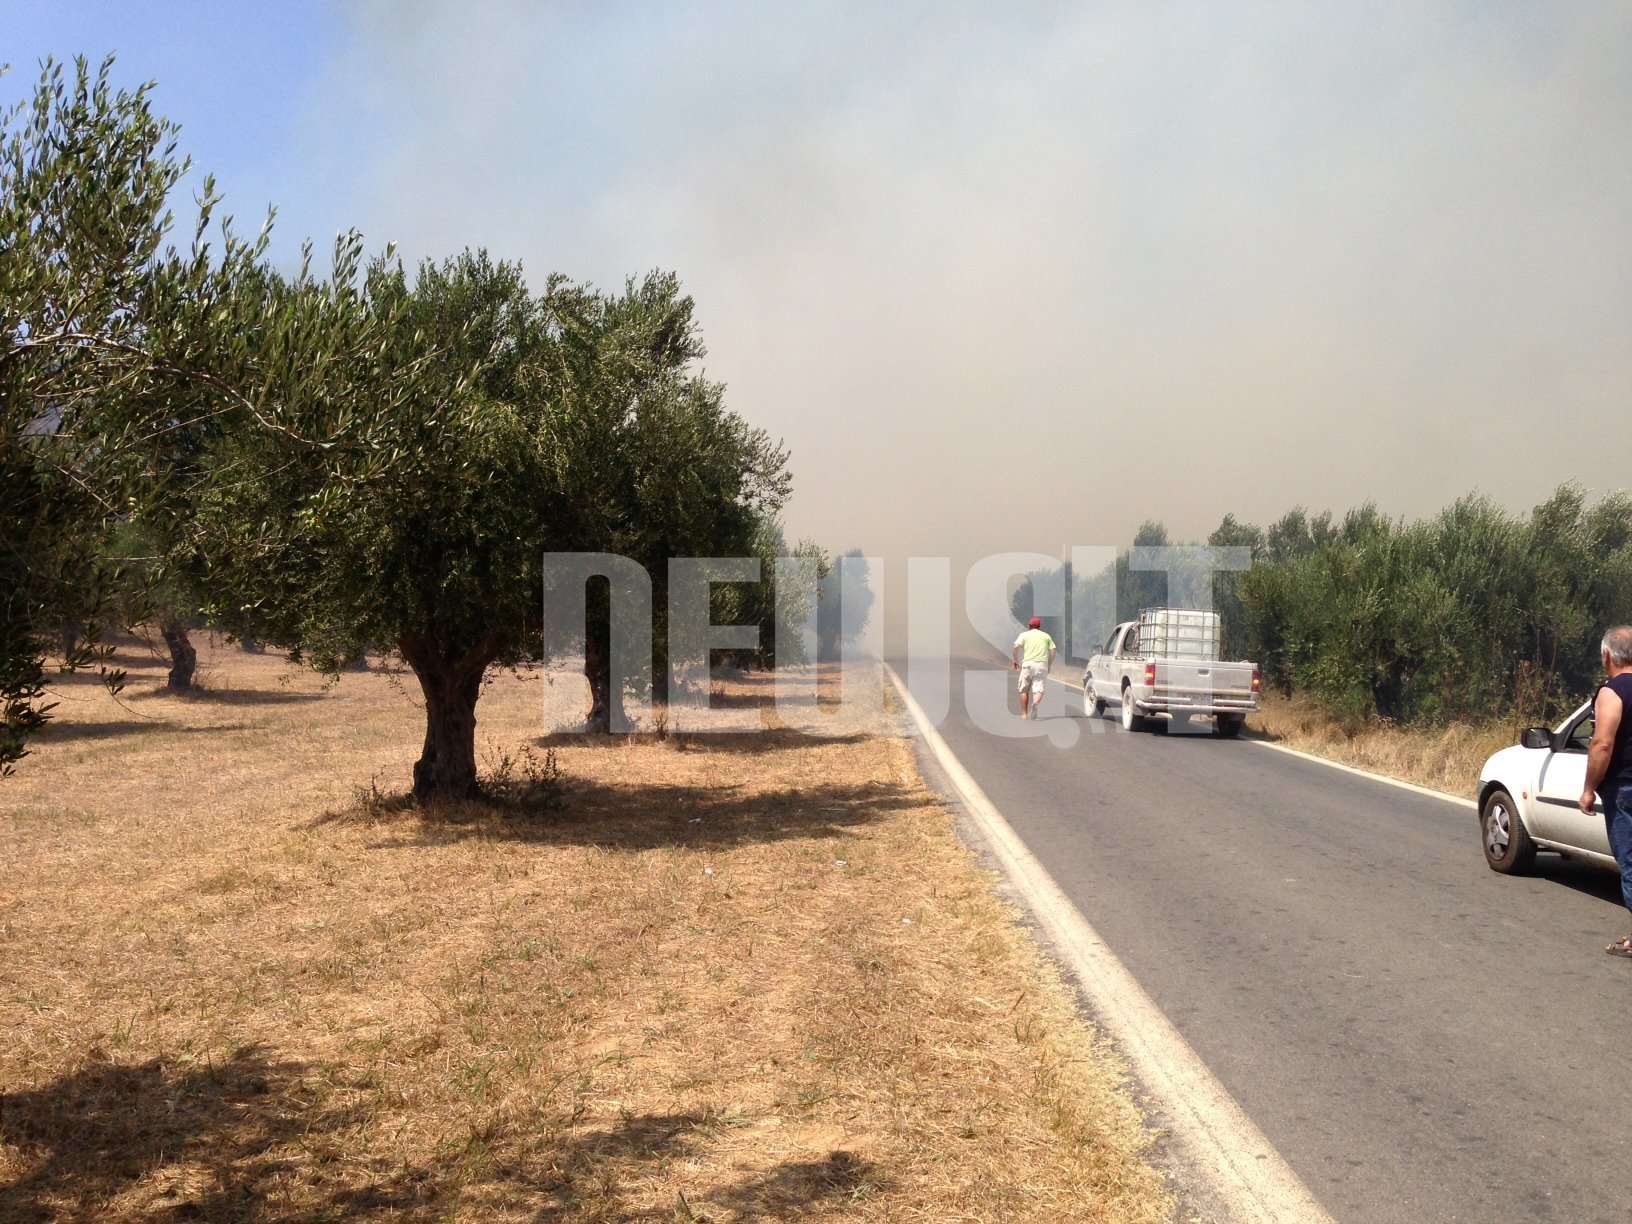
1130 644
1580 735
1110 643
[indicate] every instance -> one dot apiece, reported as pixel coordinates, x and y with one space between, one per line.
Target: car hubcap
1498 830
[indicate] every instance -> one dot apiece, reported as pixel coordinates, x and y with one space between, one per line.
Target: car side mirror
1536 737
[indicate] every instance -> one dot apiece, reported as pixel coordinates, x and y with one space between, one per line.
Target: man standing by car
1609 761
1033 654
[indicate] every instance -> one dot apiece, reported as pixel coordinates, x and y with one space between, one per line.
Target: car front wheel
1508 848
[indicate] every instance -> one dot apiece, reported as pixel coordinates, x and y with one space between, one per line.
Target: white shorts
1033 676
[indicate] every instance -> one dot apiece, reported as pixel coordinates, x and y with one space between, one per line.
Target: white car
1529 796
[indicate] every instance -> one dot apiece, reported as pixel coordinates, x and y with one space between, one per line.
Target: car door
1104 664
1563 777
1127 653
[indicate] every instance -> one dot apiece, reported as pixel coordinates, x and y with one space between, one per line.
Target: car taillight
1150 675
1257 682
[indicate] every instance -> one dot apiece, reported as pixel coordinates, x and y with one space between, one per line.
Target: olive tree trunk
451 682
183 656
605 698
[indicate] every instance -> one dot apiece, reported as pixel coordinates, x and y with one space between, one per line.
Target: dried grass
1442 758
731 978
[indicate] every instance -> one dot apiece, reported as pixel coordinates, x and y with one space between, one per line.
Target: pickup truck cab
1166 662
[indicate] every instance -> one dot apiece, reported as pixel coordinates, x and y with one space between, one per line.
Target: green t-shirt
1038 645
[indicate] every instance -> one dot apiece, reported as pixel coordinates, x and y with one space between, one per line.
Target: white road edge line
1350 769
1217 1141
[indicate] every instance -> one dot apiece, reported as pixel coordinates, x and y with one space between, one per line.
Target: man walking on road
1609 761
1034 653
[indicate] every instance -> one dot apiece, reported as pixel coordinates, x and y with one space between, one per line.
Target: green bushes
1472 614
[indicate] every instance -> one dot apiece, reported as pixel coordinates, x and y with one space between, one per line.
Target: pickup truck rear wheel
1132 720
1508 848
1229 725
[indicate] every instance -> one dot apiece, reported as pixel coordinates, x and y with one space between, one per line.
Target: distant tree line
1473 613
366 458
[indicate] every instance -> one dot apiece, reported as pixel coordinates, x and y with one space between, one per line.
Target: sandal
1621 948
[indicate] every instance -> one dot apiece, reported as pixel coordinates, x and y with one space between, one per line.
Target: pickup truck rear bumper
1197 702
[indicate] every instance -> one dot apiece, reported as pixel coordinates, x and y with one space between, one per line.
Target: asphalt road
1420 1038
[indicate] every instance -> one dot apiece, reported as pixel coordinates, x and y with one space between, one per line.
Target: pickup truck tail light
1257 682
1150 675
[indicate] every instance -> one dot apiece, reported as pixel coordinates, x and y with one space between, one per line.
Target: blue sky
966 258
231 74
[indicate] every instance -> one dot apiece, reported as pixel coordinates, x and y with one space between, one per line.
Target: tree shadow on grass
732 699
158 1141
231 697
775 740
93 677
142 662
645 817
590 1165
788 1190
246 1141
764 741
91 1136
129 655
60 732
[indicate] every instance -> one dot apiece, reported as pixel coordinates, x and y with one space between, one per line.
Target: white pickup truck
1166 662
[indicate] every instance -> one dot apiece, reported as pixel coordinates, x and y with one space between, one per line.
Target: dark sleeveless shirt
1619 772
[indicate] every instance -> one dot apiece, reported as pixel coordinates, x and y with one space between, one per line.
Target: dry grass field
1445 758
728 978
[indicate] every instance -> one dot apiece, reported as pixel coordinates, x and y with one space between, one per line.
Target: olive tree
125 359
84 174
99 326
653 464
519 424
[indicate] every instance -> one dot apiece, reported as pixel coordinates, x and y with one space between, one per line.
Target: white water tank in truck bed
1180 633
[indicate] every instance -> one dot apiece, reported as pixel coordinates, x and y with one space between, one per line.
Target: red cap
1036 622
